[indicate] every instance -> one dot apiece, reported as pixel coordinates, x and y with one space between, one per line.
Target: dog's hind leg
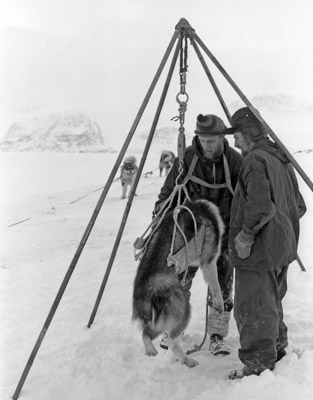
174 346
174 340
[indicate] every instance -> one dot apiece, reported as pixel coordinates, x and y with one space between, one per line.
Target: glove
243 244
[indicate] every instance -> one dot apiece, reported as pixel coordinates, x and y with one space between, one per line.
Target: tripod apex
183 24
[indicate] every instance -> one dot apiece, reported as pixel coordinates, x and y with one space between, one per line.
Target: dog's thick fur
129 170
159 301
166 161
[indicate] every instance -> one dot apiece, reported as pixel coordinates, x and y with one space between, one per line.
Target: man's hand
243 244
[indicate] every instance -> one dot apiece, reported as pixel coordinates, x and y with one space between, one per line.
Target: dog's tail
163 305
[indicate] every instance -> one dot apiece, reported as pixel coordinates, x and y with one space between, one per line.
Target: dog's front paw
151 352
190 362
218 304
220 309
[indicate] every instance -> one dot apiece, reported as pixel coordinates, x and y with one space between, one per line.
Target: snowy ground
107 361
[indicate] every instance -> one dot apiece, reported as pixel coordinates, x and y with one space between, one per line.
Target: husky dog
166 161
129 170
159 302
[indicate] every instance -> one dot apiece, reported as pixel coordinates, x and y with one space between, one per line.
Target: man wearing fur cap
263 239
214 167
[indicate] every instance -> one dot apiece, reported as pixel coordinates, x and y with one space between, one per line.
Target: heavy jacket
209 171
268 204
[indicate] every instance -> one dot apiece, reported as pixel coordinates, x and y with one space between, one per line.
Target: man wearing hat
263 239
214 167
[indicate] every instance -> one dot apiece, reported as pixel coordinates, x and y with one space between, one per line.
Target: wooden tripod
182 30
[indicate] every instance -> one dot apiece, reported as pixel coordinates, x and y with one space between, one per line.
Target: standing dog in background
160 303
129 171
166 161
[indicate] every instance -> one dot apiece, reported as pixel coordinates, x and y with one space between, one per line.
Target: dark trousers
258 313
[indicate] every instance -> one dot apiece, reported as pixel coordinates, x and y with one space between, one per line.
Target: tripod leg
133 191
91 223
211 79
255 112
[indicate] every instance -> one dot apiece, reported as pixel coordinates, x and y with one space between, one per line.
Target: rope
198 347
141 243
170 258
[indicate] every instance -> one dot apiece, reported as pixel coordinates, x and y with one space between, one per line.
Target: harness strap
190 170
227 175
141 243
193 178
190 252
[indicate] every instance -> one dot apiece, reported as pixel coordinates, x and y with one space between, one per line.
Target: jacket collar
271 148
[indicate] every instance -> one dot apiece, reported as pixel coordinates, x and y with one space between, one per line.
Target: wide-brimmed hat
243 118
209 124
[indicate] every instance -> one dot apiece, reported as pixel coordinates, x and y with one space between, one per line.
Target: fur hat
246 122
209 125
130 160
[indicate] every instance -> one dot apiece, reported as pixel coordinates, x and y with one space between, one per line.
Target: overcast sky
100 56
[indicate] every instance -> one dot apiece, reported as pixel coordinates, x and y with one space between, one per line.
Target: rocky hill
164 139
277 103
58 132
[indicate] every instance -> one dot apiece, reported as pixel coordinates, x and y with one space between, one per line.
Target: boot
280 354
218 327
241 373
217 346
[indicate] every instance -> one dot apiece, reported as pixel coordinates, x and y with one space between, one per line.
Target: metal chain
182 99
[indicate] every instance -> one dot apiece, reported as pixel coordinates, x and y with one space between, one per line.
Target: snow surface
107 361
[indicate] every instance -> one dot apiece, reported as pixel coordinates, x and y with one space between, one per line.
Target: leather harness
193 178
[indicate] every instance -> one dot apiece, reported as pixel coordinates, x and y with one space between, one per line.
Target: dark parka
267 203
209 171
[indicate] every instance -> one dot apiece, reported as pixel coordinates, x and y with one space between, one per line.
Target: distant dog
166 161
159 302
129 171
